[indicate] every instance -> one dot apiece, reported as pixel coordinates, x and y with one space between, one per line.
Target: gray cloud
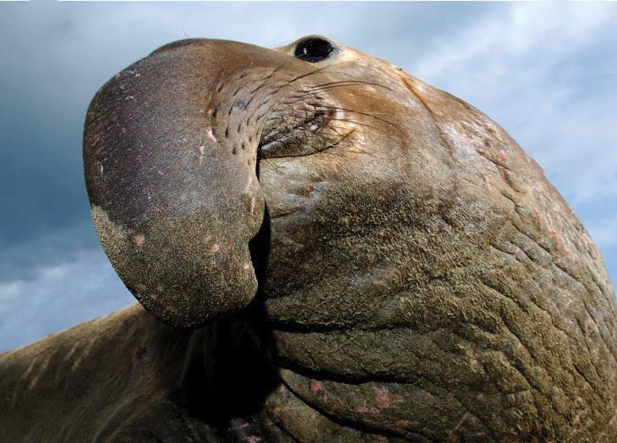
57 297
546 72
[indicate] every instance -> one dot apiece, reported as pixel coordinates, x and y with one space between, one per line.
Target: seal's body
367 258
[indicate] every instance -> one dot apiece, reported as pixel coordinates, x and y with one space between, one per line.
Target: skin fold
325 249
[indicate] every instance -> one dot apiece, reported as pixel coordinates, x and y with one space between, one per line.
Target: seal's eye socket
313 49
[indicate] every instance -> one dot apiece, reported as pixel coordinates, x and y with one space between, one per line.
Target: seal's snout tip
176 199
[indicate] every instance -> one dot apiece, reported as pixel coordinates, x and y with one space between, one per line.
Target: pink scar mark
238 425
139 239
384 398
253 439
211 135
538 218
209 132
201 153
317 386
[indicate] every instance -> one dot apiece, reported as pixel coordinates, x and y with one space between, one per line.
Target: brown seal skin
367 258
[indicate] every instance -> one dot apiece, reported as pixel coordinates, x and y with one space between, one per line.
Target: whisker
367 115
358 123
300 125
313 90
349 83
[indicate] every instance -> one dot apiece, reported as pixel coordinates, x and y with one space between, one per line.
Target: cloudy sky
547 72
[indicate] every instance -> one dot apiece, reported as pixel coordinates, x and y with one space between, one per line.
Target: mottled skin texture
419 279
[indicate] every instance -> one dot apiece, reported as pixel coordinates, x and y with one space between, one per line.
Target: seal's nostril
313 49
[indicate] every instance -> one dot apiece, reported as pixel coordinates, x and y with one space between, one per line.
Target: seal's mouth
289 136
259 246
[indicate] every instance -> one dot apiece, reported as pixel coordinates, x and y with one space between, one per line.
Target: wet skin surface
336 251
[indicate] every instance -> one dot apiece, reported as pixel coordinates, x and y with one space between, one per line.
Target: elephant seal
336 251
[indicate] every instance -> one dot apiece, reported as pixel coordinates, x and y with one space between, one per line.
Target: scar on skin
209 132
139 239
384 398
249 183
201 153
316 386
211 135
214 248
241 425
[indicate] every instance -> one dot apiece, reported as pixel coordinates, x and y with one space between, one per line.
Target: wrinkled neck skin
419 279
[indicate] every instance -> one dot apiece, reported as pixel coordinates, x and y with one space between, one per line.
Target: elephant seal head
421 278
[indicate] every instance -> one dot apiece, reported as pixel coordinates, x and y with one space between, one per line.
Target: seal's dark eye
313 49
